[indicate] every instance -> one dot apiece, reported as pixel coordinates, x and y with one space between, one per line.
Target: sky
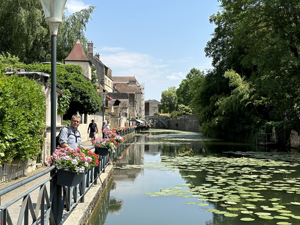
156 41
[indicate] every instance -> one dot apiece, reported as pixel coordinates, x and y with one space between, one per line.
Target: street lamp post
53 10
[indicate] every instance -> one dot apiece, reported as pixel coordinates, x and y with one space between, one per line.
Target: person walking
107 126
103 128
93 129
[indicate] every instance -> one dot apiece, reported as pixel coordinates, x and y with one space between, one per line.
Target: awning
139 121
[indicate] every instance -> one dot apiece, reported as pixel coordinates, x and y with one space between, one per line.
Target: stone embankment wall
185 123
16 169
295 139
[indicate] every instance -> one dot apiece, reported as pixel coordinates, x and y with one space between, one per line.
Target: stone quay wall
184 123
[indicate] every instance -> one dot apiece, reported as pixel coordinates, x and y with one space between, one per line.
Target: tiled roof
124 79
77 54
125 88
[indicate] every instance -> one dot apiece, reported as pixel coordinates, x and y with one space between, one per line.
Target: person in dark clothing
93 129
103 128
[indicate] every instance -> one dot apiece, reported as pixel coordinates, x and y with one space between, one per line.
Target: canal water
174 178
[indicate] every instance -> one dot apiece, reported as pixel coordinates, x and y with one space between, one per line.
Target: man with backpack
70 136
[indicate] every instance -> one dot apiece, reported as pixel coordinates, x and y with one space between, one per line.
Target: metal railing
53 203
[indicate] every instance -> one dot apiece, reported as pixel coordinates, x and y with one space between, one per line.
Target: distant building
77 57
135 91
151 107
104 73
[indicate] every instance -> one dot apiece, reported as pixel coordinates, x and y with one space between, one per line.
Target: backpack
57 137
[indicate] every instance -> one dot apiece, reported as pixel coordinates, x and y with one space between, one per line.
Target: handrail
26 181
49 206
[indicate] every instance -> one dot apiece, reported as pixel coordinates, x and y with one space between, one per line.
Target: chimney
97 55
90 49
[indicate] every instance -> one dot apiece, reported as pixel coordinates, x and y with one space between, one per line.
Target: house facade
104 73
135 94
78 57
151 107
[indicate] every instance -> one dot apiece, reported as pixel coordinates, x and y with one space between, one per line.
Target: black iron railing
53 203
47 202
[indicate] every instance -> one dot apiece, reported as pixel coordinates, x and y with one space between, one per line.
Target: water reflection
126 202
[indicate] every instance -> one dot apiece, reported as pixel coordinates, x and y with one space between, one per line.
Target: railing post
2 217
57 204
82 184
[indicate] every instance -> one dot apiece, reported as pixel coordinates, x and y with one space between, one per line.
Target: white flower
86 164
67 157
74 161
81 170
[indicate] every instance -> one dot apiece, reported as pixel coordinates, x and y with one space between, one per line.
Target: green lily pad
281 217
202 204
295 203
247 219
266 217
247 212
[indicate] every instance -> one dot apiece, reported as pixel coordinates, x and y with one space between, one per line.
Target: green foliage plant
22 116
168 102
184 92
64 102
84 97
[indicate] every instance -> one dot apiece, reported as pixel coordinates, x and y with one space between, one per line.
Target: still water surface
154 184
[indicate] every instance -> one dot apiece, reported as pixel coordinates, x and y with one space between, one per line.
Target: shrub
22 115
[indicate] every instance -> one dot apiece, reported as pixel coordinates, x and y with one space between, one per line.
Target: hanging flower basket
68 178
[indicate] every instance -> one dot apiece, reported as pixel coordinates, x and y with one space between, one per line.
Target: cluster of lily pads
243 187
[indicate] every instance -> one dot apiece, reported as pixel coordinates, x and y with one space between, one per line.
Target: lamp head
53 10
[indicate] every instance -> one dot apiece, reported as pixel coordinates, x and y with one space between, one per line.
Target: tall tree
25 33
184 95
168 101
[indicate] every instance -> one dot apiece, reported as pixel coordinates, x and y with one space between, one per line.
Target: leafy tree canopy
84 97
184 95
25 33
80 95
168 102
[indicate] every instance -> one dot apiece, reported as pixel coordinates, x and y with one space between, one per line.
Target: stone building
104 73
77 57
151 107
135 94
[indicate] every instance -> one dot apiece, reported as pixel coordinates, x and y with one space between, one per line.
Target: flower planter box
68 178
101 151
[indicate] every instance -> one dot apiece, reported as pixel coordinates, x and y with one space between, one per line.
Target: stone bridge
159 121
184 123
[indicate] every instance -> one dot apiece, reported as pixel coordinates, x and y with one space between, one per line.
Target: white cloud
75 6
127 60
176 76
